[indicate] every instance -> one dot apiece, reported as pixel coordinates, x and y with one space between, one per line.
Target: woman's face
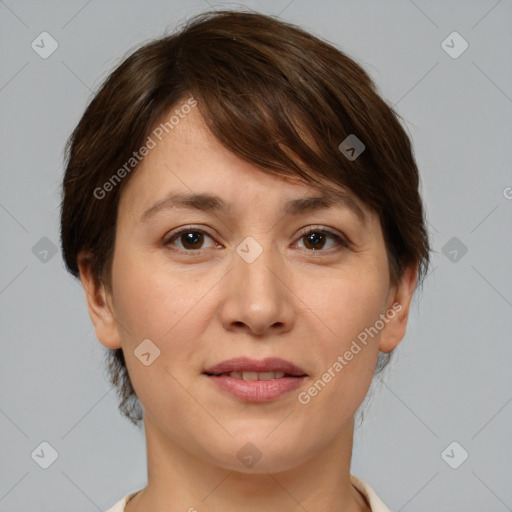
252 280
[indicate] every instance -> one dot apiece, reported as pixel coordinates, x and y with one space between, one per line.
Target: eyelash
314 229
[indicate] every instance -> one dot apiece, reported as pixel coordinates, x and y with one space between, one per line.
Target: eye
192 239
315 238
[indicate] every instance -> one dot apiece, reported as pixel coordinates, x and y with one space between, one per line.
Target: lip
246 364
256 390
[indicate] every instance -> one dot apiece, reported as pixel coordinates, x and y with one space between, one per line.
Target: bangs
277 107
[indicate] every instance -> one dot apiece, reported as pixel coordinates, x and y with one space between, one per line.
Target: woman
242 209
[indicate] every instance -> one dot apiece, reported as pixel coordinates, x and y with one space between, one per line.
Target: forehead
190 168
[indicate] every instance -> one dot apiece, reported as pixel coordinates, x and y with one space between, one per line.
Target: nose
258 293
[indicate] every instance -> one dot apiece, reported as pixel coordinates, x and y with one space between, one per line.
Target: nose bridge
256 263
259 297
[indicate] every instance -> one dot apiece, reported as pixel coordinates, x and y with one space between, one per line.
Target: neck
181 480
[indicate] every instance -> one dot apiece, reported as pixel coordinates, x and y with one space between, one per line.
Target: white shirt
373 500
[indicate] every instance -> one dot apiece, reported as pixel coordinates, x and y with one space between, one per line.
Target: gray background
451 378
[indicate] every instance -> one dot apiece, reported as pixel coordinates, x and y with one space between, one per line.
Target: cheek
344 308
350 302
348 309
152 299
156 303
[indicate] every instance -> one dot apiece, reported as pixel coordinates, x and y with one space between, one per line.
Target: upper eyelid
302 232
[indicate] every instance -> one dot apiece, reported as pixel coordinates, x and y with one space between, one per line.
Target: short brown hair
273 94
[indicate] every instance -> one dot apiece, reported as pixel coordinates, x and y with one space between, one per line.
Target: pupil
192 238
315 238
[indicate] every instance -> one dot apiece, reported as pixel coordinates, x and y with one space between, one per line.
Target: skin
201 308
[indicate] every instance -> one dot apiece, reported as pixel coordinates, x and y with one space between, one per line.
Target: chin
260 453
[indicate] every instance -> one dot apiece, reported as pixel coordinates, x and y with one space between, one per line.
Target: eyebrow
298 206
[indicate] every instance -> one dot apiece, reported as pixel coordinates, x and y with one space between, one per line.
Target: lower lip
257 390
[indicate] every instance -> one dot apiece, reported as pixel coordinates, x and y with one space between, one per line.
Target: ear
397 312
99 304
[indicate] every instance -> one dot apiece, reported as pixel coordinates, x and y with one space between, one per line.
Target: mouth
256 380
244 368
251 376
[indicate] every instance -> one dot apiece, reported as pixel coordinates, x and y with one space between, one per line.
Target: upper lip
246 364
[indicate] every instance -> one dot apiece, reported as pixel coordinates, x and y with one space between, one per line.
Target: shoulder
371 496
119 506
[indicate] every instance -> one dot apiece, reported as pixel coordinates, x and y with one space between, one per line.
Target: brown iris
194 239
314 239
